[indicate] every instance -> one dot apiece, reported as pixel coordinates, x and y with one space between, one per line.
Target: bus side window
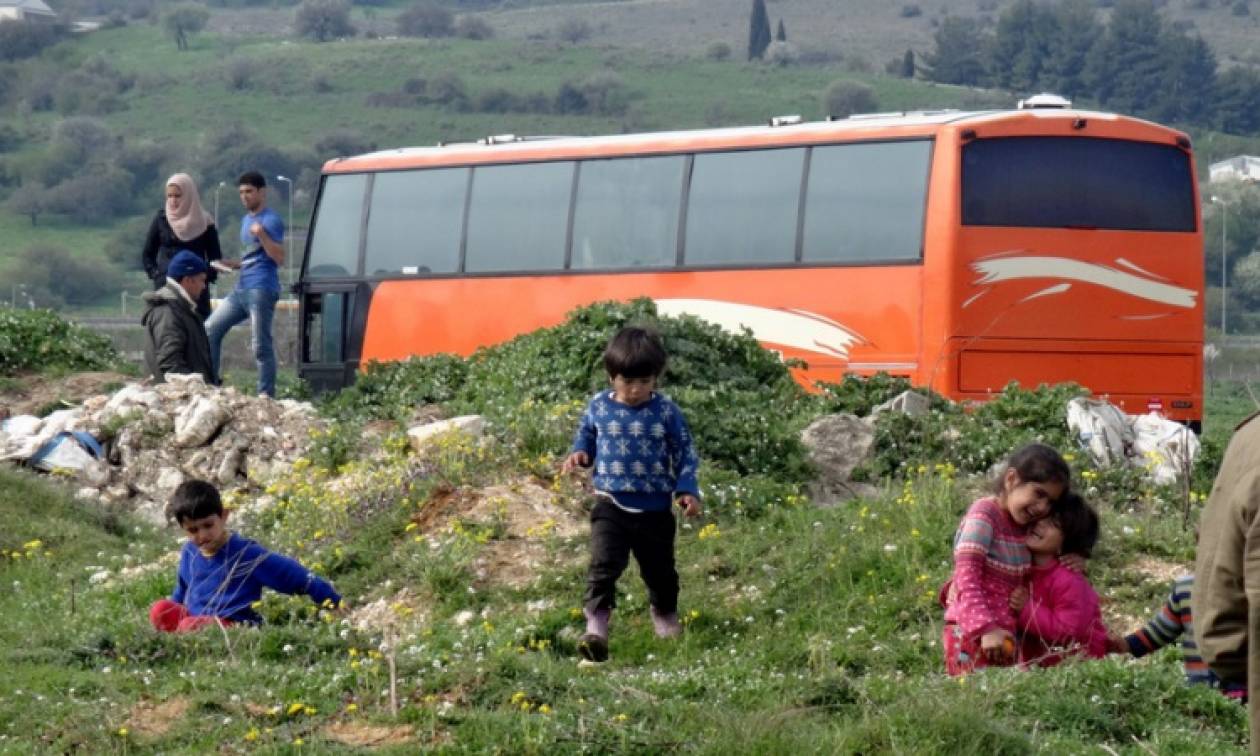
335 235
518 217
626 213
865 202
415 222
743 207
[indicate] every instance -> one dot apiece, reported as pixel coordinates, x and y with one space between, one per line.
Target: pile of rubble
152 438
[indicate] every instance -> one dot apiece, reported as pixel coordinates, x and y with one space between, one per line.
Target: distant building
26 10
1239 168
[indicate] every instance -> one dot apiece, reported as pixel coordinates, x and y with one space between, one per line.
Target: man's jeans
258 306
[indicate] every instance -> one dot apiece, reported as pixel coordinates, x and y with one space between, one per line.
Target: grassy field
808 630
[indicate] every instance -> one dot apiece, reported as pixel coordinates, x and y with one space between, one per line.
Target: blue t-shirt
258 271
642 455
226 584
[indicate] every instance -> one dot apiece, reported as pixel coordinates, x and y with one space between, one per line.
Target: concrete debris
909 403
836 445
156 437
421 435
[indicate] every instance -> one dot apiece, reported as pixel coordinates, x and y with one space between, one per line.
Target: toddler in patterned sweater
991 559
637 442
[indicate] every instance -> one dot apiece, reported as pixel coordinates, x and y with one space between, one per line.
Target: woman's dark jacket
160 246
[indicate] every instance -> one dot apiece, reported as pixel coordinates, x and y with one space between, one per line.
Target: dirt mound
37 394
149 719
521 519
360 735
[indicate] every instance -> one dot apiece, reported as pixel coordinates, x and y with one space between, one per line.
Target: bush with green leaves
973 438
39 340
744 407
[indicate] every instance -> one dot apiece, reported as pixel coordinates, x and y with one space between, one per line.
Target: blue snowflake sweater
642 455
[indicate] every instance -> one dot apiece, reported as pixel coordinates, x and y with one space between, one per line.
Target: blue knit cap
185 263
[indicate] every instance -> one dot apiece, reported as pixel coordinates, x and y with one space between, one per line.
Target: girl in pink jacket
1058 614
991 559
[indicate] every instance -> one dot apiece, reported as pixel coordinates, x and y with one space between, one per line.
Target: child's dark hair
1036 463
1079 523
635 352
193 500
253 178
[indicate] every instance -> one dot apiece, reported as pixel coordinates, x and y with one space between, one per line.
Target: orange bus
962 250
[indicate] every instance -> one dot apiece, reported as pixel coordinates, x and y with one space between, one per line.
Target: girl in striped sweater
991 559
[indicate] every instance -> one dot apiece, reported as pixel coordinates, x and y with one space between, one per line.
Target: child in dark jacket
221 574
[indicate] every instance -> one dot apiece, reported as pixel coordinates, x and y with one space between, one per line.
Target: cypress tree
781 33
907 65
758 30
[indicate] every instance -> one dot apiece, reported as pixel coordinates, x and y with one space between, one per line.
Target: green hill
808 629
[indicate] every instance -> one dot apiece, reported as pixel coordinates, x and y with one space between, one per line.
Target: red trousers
169 617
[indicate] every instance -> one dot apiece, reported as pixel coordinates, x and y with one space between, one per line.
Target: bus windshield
1077 182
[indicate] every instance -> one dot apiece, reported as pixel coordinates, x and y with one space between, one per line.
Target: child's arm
583 444
1164 628
286 575
684 462
971 548
181 582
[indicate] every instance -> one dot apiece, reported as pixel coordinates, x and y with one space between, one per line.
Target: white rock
421 435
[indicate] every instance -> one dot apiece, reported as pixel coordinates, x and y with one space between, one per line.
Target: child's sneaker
666 625
593 645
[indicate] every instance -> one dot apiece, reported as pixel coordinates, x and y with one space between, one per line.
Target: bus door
334 316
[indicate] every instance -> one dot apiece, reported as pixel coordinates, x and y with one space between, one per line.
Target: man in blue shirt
258 288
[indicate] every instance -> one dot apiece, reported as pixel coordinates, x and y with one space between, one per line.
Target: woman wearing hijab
182 223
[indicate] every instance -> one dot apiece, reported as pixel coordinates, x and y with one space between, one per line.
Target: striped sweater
1174 621
990 561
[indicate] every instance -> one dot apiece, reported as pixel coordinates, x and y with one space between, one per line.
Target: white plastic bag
1102 429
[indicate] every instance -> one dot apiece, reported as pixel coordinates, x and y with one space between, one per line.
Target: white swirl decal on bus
798 329
1143 285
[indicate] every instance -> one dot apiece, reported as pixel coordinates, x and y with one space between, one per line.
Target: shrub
844 98
573 30
343 142
781 53
911 11
324 20
473 27
239 74
718 51
447 88
20 40
41 340
744 408
425 19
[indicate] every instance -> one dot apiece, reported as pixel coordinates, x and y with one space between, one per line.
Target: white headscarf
187 217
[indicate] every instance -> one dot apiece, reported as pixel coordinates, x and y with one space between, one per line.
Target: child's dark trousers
615 535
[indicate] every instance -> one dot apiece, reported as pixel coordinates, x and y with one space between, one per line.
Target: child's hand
1116 644
690 505
1074 562
1019 597
575 460
998 645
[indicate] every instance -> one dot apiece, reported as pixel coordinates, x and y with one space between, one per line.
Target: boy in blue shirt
258 288
638 443
221 574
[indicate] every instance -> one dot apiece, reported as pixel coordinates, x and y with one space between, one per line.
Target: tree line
1137 63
